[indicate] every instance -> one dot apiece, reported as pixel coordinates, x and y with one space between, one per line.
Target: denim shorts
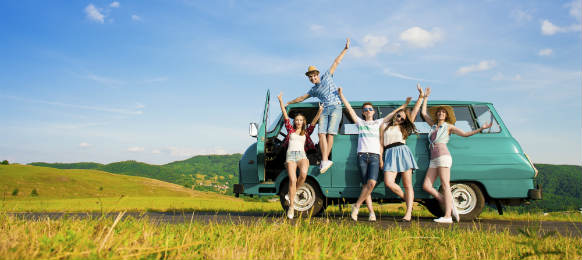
330 119
369 166
295 156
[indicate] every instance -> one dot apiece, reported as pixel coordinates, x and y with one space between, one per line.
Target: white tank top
393 135
296 142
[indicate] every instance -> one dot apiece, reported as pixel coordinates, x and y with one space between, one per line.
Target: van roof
398 103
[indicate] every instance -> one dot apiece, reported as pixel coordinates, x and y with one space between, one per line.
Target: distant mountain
204 172
561 183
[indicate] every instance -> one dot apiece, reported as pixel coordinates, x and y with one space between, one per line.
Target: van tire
468 199
311 201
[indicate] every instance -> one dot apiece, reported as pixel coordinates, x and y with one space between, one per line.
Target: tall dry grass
131 238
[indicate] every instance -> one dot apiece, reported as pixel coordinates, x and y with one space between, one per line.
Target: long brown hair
407 127
303 127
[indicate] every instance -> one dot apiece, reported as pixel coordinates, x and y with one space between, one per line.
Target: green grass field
130 238
305 238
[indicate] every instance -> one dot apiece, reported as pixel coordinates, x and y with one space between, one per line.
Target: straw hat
451 119
310 70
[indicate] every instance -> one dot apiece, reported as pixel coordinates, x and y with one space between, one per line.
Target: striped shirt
326 90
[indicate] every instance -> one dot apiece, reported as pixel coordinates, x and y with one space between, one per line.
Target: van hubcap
464 198
304 198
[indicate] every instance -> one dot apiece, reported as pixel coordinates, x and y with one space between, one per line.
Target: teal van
487 168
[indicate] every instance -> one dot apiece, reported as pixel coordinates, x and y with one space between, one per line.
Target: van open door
261 140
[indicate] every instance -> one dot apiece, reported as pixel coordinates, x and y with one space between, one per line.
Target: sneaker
372 217
290 213
354 214
443 220
287 198
325 165
456 213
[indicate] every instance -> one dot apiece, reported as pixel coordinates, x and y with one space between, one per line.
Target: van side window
484 116
464 118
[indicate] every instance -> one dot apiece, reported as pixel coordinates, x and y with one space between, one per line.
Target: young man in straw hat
325 89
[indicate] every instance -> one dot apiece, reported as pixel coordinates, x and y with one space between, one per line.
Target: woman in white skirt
442 121
397 156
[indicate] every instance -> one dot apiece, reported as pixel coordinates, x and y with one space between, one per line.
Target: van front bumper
535 194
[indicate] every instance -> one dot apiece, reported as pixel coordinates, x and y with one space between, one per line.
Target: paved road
543 227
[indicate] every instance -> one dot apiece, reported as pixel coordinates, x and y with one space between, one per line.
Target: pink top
437 149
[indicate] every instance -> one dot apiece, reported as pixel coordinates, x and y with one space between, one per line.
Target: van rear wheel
467 197
308 198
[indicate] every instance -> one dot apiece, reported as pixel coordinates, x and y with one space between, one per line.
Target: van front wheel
308 198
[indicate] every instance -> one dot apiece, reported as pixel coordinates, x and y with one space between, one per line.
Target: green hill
204 172
19 181
562 187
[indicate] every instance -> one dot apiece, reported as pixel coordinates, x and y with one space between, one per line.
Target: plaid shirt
308 143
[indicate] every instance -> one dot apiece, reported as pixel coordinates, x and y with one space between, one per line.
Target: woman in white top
369 151
398 157
296 156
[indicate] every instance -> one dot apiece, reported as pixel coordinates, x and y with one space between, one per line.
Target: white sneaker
325 165
287 197
354 214
290 213
443 220
456 213
372 217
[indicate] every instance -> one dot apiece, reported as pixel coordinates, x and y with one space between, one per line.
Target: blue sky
159 81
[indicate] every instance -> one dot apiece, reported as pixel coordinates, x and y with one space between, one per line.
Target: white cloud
316 28
156 151
420 38
545 52
105 80
372 45
85 107
135 149
93 14
481 66
84 145
521 15
399 75
114 5
135 17
180 152
548 28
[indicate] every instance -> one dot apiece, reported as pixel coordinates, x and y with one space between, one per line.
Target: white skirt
441 161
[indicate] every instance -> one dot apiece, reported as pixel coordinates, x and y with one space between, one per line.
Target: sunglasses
399 116
368 109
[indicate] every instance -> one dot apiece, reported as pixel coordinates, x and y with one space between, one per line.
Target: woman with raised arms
442 121
398 159
298 141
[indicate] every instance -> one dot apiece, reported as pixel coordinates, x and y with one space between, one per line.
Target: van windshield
273 124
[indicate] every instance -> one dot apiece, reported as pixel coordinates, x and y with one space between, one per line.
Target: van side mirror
253 130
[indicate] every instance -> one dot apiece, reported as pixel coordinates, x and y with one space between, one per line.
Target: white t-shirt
369 136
